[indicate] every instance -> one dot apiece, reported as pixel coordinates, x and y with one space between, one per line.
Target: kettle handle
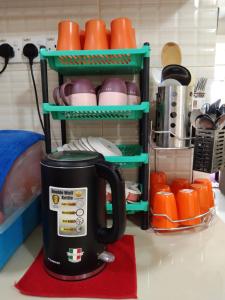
111 174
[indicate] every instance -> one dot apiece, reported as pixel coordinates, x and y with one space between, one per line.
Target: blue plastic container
17 227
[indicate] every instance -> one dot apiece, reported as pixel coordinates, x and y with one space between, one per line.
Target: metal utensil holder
209 150
206 220
172 128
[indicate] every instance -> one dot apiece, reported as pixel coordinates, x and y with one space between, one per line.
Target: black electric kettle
74 219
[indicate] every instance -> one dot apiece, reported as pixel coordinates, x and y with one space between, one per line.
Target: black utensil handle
111 174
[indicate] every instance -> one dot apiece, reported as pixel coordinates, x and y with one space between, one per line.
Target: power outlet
51 43
17 47
38 41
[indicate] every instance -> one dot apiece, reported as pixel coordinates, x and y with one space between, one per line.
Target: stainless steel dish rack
209 150
206 220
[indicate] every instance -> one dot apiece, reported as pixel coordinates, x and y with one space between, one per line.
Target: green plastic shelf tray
79 62
132 156
116 112
131 207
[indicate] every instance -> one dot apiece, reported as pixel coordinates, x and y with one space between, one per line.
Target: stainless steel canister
172 117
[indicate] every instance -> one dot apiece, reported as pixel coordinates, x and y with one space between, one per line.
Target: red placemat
117 281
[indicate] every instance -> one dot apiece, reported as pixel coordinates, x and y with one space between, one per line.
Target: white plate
104 146
87 145
83 144
78 146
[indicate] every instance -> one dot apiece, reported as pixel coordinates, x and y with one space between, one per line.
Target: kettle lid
72 158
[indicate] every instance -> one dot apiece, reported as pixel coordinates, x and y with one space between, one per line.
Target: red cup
208 183
68 36
203 196
188 206
179 184
95 35
122 34
156 178
164 203
159 188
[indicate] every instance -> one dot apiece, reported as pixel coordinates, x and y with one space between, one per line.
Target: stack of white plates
95 144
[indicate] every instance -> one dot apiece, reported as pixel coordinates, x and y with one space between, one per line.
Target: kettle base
75 277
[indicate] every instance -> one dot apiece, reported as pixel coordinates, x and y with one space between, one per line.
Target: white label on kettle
71 207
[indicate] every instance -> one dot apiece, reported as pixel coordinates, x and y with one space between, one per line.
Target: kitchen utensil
122 34
188 206
199 89
171 54
169 82
78 93
133 193
194 115
177 72
95 35
74 220
179 184
113 92
205 108
220 122
214 107
222 109
164 203
203 196
56 96
172 117
207 183
68 36
104 146
133 93
204 122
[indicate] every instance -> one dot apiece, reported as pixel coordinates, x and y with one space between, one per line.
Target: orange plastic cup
203 196
159 187
122 34
188 206
95 35
179 184
68 36
164 203
208 183
82 38
157 177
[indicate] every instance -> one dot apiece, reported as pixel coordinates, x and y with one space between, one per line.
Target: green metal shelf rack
95 62
112 112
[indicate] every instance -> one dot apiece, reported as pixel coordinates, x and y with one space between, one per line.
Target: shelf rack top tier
90 62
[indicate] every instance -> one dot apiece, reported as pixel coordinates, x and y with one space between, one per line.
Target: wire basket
206 220
209 150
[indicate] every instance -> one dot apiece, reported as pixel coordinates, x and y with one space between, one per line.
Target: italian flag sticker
75 255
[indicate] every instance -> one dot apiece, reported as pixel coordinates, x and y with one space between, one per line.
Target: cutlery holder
209 150
172 120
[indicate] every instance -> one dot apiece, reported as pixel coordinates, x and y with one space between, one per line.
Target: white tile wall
191 23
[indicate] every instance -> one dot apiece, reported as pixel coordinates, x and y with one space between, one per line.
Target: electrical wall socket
18 43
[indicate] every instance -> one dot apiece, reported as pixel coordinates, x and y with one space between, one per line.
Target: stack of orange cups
155 179
95 35
203 196
164 203
68 36
208 183
188 206
179 184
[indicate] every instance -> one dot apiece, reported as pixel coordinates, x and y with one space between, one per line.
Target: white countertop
190 266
